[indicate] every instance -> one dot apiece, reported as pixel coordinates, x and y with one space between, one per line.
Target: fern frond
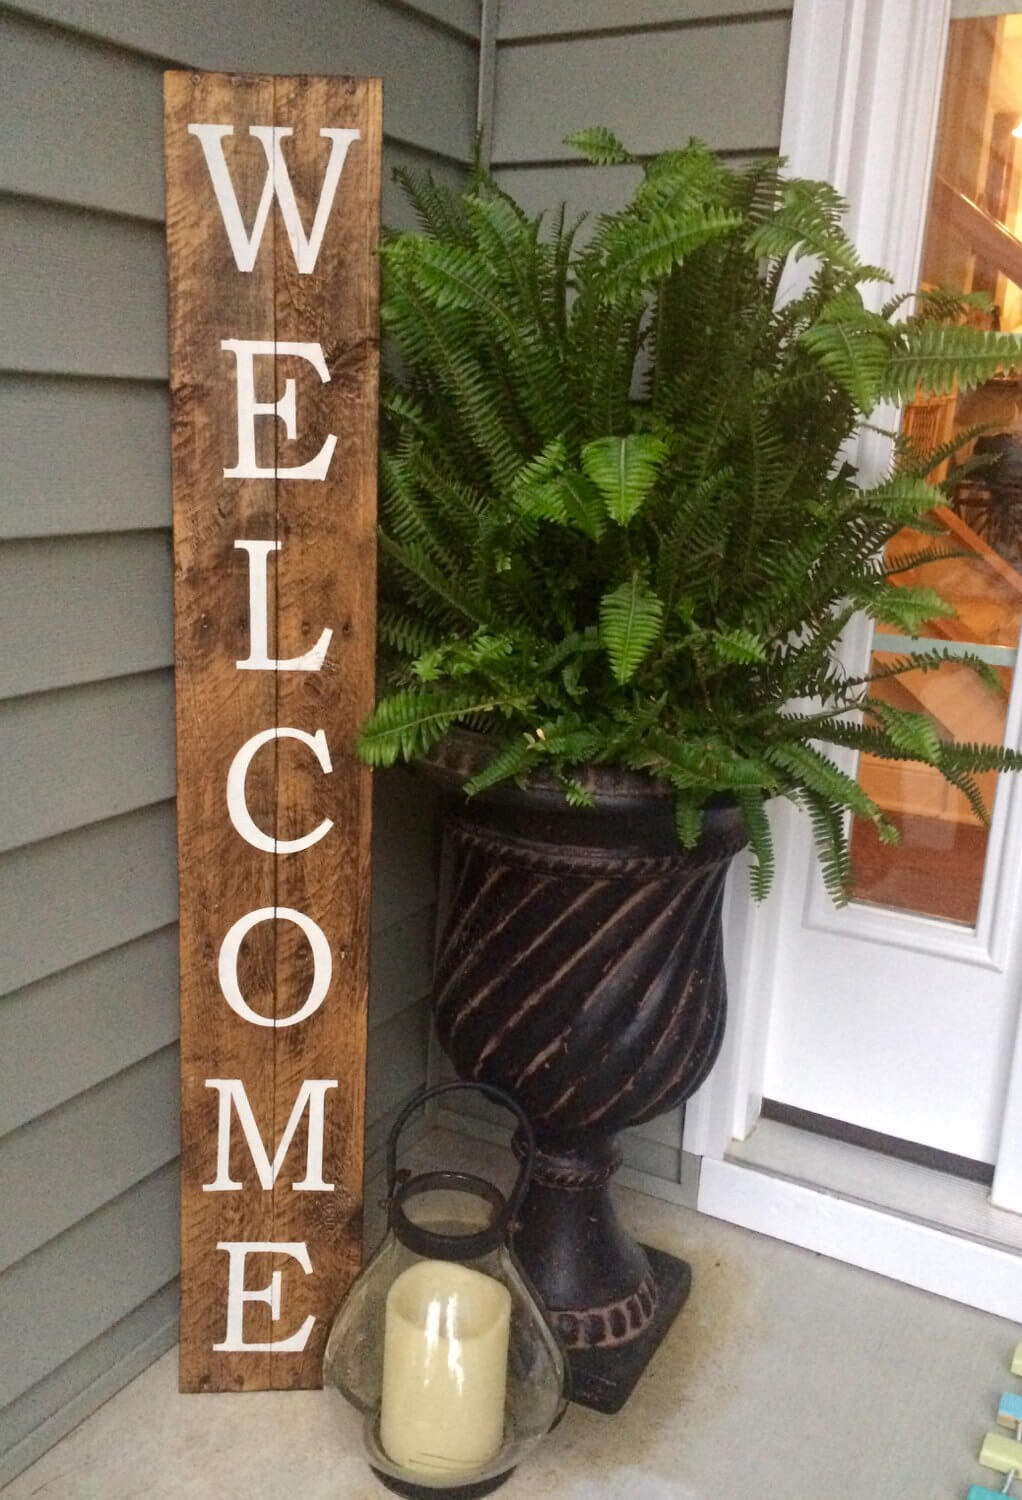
757 826
738 645
631 619
624 470
935 359
909 607
914 733
688 820
408 724
427 579
509 764
406 633
599 146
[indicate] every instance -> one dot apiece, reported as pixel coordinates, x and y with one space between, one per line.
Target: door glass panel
973 243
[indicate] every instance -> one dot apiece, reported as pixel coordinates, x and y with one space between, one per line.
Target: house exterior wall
88 877
655 72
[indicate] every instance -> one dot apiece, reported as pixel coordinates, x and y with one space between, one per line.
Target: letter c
237 806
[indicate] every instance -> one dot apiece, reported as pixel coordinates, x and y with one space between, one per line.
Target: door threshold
901 1220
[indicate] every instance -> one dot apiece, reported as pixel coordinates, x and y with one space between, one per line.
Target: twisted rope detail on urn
571 1174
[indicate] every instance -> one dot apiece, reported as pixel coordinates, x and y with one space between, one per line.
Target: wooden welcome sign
272 223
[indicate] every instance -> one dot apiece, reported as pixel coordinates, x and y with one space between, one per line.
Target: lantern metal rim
433 1244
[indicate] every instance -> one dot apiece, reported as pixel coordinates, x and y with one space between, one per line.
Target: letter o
228 965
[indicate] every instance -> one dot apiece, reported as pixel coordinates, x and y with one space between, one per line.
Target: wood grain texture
322 577
329 536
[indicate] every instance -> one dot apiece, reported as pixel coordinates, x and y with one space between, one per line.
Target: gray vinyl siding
88 879
655 72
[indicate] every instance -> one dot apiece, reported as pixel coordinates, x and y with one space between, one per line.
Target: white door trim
863 89
923 1255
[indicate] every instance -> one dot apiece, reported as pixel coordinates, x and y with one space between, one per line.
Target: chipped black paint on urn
581 969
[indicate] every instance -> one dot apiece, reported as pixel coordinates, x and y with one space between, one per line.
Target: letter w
278 181
232 1091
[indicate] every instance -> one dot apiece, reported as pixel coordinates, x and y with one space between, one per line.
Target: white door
899 1014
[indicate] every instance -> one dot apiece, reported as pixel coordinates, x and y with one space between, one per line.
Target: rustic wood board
318 562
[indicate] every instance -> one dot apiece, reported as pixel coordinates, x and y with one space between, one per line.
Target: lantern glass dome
441 1342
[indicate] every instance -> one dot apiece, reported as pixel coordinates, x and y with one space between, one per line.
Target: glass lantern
441 1342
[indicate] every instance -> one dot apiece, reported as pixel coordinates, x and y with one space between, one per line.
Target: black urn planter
581 970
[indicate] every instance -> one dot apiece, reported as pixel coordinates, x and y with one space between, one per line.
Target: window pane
974 244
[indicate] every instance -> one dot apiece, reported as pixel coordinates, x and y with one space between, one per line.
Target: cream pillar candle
445 1349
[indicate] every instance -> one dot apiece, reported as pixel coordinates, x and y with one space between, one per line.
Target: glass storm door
898 1015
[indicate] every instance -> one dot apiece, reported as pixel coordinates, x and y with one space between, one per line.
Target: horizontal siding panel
239 37
124 1129
724 84
404 847
396 1064
62 1399
84 754
664 1129
102 1268
79 123
82 456
460 15
82 124
69 1032
522 19
83 610
400 964
81 293
581 188
73 897
644 1155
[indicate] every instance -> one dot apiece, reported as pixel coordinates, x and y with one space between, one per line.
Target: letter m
232 1092
305 248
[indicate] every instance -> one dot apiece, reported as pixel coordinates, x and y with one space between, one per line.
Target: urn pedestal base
603 1379
610 1299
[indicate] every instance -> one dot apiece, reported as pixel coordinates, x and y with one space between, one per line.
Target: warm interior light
1017 132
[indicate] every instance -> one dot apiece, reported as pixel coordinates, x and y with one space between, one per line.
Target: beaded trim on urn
608 1327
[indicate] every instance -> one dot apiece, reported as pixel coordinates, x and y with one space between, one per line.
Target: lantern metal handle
528 1155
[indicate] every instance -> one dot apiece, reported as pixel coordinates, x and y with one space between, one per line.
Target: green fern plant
616 524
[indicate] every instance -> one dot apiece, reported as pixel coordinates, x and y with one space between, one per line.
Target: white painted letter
237 806
245 246
245 351
238 1295
228 967
259 658
232 1091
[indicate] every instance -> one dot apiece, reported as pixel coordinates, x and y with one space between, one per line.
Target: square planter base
603 1379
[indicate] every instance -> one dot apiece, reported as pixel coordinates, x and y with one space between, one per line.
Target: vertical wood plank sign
272 224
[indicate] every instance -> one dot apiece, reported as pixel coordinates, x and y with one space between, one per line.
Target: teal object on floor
1009 1411
980 1492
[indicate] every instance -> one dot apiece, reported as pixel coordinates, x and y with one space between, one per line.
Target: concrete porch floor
787 1377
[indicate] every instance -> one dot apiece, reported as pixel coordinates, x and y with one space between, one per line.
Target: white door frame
863 89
